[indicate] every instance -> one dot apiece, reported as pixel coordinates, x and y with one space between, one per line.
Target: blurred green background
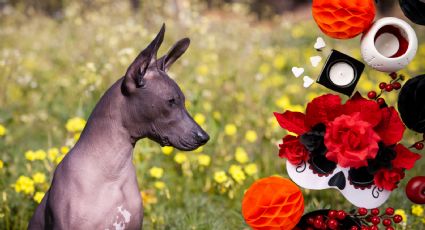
58 57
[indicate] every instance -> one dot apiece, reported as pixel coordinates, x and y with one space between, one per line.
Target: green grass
235 72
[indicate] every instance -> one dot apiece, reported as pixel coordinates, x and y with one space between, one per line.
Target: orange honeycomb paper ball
273 203
343 19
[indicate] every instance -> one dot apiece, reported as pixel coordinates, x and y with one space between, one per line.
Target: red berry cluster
367 219
375 219
394 84
331 221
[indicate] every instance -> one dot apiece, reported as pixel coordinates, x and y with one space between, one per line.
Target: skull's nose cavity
201 136
338 180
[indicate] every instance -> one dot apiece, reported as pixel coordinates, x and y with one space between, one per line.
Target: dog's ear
173 54
136 71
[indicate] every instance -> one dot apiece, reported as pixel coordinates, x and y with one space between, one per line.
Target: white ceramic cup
378 48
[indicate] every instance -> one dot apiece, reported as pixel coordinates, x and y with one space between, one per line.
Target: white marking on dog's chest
121 219
126 214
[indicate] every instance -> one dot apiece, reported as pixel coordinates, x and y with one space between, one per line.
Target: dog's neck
105 141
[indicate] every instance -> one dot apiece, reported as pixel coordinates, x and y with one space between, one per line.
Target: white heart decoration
320 43
315 60
297 71
307 81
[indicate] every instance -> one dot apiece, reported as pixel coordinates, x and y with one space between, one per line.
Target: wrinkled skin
95 186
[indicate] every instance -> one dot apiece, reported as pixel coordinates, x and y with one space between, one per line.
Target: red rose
388 179
323 109
293 150
351 141
369 110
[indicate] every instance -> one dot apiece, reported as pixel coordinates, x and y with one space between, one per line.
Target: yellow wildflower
241 156
199 118
230 129
251 169
204 160
1 164
297 31
365 85
148 197
423 220
217 115
3 130
200 149
167 150
156 172
417 210
207 106
180 158
202 70
295 108
240 96
311 96
220 177
251 136
237 173
402 213
40 154
273 122
159 185
77 136
39 178
64 149
38 196
279 61
29 155
264 69
283 102
75 124
52 153
25 185
59 158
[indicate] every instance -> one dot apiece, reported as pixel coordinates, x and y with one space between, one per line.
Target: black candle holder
337 57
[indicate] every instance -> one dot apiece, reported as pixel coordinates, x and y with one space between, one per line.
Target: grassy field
235 75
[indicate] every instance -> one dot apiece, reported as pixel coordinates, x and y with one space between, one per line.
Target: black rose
383 158
314 140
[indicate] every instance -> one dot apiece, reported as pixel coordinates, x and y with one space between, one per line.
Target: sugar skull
351 147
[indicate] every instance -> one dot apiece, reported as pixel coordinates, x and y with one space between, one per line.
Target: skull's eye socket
320 165
360 178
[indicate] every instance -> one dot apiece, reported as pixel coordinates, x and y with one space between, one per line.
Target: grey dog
95 186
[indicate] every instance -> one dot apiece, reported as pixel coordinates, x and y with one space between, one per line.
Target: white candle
387 44
341 74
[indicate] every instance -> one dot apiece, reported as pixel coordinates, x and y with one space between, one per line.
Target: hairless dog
95 186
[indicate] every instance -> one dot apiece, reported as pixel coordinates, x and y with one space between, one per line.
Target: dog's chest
121 220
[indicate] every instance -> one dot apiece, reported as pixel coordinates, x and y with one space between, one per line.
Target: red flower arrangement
359 133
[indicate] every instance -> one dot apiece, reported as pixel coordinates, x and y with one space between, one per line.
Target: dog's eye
172 102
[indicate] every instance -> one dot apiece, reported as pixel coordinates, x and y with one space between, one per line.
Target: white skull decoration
320 176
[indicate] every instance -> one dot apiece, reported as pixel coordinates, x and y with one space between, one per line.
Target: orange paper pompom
273 203
343 19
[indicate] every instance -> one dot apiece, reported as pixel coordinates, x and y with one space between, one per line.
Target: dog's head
155 104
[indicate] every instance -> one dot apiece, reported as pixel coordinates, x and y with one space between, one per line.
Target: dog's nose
202 137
